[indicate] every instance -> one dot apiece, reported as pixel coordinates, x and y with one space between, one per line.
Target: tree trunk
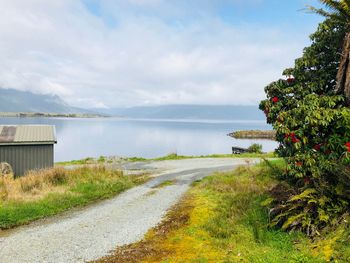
343 75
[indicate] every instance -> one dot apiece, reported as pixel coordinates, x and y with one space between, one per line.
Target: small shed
27 147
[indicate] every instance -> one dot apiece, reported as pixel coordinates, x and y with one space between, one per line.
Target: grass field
222 220
49 192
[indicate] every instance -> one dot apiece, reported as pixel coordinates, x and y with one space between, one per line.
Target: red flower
294 138
347 145
317 147
290 80
275 99
292 135
306 180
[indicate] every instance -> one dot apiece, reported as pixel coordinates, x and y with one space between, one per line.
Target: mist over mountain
12 100
210 112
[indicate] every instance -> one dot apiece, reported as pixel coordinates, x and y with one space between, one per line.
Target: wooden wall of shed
23 158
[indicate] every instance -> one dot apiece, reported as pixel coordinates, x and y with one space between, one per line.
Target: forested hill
12 100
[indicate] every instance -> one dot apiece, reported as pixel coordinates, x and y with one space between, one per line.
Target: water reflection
80 138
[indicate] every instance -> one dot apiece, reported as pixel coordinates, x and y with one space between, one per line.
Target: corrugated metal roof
27 134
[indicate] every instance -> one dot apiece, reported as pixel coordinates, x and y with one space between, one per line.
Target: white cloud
60 47
145 2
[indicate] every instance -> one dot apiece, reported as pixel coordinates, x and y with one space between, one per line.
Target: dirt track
92 232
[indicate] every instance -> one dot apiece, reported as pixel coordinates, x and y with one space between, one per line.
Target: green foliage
88 160
255 148
239 222
336 9
313 130
171 156
136 159
102 159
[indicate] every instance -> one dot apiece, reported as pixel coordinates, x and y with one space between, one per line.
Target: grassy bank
171 156
222 220
174 156
49 192
88 160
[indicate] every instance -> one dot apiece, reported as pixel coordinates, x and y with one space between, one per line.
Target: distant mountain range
209 112
23 101
12 100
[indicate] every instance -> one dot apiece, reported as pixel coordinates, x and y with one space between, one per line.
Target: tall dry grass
38 184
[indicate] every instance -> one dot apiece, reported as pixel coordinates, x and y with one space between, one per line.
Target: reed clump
48 192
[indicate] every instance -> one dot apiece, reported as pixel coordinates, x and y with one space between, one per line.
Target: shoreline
120 159
50 115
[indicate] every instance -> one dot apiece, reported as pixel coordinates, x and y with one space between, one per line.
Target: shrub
312 126
255 148
101 159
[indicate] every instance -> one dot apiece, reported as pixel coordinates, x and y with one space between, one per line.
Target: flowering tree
340 10
313 130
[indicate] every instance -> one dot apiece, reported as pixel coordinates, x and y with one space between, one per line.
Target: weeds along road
92 232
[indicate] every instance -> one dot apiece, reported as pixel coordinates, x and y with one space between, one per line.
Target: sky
121 53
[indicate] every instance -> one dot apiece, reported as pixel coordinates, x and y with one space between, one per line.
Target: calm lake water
80 138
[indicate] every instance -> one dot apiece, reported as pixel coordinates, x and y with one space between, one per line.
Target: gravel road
92 232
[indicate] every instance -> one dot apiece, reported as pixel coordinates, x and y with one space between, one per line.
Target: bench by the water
238 150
